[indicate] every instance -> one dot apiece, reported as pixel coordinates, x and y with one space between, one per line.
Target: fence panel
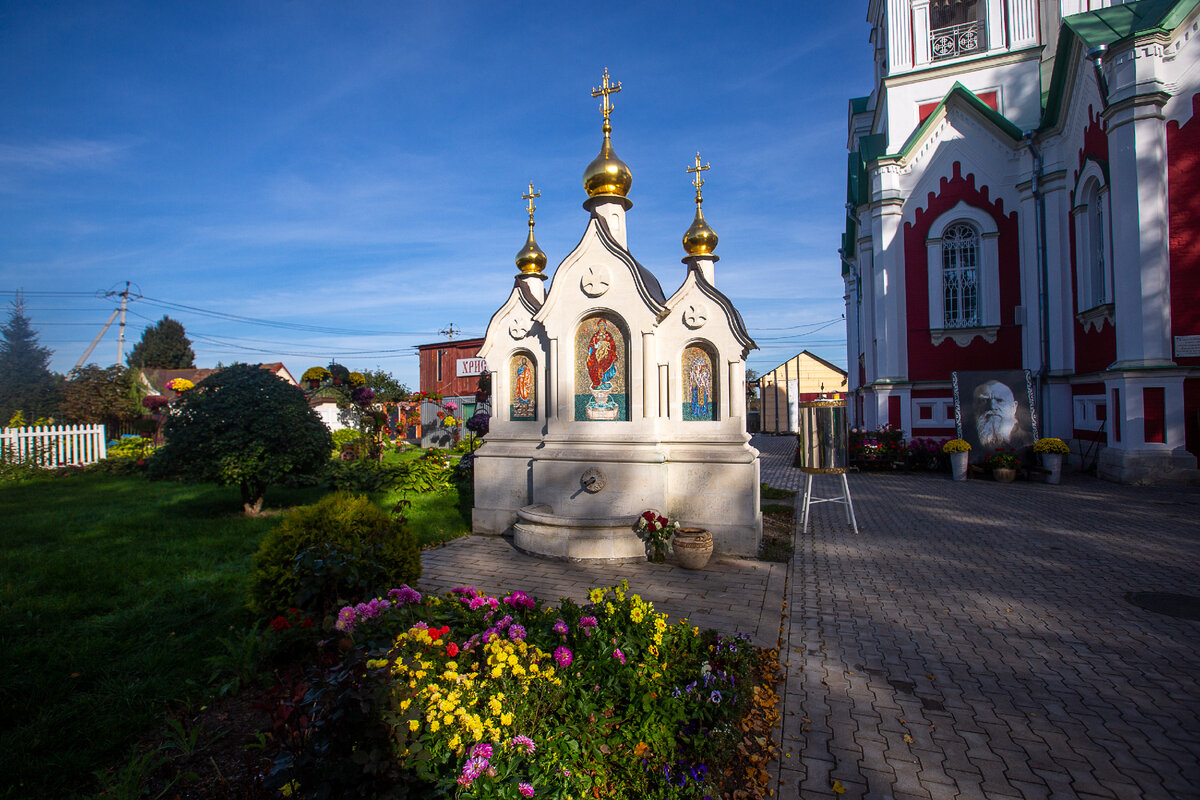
55 445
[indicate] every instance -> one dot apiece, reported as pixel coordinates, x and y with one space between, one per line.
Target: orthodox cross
696 170
449 332
530 207
606 89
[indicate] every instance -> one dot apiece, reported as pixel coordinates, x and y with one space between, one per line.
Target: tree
26 383
387 389
244 426
164 345
751 391
106 395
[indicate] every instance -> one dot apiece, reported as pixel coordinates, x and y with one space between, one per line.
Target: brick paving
971 642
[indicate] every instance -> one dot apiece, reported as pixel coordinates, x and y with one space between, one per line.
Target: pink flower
564 657
482 750
523 742
525 789
561 628
618 655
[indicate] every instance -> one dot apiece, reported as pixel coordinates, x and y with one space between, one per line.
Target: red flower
452 649
280 623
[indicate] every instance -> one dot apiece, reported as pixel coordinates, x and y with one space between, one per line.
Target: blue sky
352 172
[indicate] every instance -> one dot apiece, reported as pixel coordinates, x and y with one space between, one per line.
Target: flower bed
509 698
882 448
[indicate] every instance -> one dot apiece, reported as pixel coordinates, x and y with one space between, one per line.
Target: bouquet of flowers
1003 459
180 385
956 446
1051 444
657 531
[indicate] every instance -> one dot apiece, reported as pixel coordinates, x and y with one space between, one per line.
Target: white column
649 376
920 24
737 389
1141 267
889 309
664 393
1022 23
899 22
995 26
554 408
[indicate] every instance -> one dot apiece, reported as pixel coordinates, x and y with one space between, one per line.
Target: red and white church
1024 193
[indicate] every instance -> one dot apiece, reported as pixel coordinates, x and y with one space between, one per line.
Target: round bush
339 550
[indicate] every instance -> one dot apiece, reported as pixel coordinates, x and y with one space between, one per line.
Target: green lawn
113 591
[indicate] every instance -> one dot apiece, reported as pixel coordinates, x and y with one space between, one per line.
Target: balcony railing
956 40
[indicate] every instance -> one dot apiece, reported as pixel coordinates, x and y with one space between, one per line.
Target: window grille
960 276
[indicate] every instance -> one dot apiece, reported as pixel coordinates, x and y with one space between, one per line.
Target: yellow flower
636 614
506 718
405 703
435 726
496 672
414 724
654 651
596 595
455 742
495 706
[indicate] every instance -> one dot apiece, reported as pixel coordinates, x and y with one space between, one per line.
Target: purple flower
516 632
482 750
520 600
405 595
587 623
525 789
564 657
472 770
618 655
346 620
715 697
523 742
561 628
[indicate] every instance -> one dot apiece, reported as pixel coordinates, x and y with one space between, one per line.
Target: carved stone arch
700 381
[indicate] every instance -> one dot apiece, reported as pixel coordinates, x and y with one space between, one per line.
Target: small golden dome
531 260
607 174
700 240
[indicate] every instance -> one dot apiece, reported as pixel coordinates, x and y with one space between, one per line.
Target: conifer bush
341 549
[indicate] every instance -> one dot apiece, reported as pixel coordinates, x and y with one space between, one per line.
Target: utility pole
121 329
449 332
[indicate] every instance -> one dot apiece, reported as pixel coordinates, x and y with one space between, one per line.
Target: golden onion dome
700 240
607 174
531 260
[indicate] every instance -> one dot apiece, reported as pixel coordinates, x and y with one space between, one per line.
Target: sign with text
1187 346
471 366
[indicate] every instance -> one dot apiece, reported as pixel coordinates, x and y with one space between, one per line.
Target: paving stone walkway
974 642
971 642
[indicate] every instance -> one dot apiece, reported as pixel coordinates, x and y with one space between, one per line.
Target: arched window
960 276
700 382
1096 256
1093 245
962 248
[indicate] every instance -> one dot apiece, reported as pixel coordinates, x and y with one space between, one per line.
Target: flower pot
958 465
1004 474
1053 462
693 547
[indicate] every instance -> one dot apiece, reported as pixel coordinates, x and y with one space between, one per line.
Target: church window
1093 240
956 28
960 276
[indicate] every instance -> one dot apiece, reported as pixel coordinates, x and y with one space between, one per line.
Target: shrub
339 549
1051 444
244 426
429 473
344 436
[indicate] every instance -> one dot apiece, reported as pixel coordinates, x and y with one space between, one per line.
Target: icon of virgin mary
602 356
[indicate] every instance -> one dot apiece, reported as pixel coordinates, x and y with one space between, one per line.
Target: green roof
1108 25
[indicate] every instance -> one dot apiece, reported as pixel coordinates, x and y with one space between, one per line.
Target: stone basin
540 532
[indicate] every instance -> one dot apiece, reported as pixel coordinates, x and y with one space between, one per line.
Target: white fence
54 445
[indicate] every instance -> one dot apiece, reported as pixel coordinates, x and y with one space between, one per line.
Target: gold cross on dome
530 207
606 89
698 181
